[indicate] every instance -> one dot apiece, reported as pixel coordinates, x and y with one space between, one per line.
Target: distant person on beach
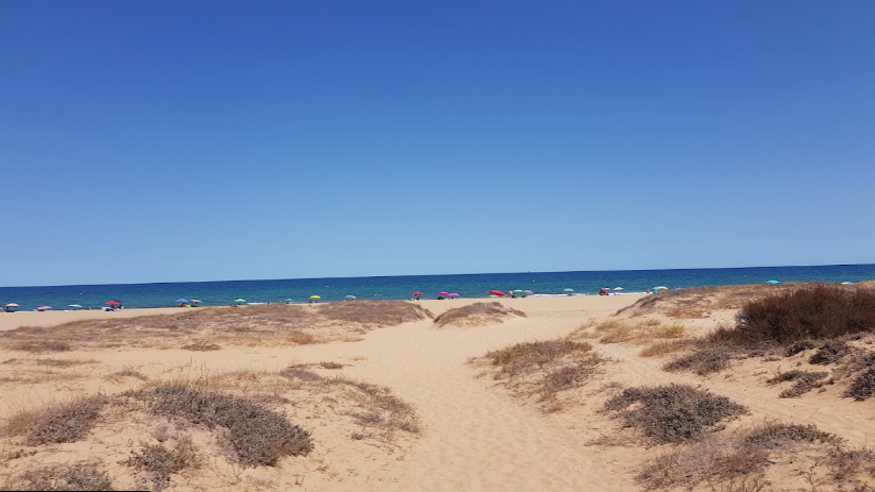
603 291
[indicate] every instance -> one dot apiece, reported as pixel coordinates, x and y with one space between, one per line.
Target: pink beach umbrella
452 294
43 308
445 294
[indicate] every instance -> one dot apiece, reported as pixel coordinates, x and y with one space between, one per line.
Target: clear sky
150 141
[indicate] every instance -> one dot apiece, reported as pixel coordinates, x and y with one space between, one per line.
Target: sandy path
476 436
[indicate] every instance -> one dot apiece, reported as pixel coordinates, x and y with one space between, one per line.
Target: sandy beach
466 426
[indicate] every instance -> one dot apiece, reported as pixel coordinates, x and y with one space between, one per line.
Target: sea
402 287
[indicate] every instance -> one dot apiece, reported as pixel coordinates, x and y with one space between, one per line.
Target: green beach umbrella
773 282
567 290
240 301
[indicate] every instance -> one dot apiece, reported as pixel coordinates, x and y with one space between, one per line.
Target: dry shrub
477 314
331 365
863 386
830 352
159 462
42 346
545 368
703 362
374 313
129 372
66 422
673 413
728 461
775 434
257 435
717 459
799 346
61 477
805 382
665 347
530 355
846 464
202 347
817 312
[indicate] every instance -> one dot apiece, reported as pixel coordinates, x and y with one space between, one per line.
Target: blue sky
151 141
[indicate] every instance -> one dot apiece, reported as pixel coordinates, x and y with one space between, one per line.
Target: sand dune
475 435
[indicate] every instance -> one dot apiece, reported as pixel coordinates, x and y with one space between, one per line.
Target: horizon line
433 275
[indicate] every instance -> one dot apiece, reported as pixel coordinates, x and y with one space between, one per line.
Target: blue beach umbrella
181 301
773 282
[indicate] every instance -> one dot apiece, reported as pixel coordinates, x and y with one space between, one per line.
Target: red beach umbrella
417 293
113 303
497 293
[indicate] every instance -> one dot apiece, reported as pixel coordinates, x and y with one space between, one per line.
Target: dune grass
208 328
477 314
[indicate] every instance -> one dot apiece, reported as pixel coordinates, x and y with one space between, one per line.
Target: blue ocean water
401 287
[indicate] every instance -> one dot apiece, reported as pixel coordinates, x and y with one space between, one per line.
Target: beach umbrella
618 288
182 301
289 300
518 291
417 293
315 297
453 294
77 306
43 308
12 304
443 293
240 301
847 283
773 282
662 287
528 292
567 290
497 293
113 303
351 298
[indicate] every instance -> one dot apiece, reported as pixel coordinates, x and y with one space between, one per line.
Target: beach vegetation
817 312
197 329
257 435
57 423
804 381
477 314
672 413
61 477
702 362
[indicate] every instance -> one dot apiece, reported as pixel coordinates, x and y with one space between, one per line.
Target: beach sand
474 433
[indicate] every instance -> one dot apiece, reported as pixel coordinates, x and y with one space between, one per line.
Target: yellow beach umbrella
315 297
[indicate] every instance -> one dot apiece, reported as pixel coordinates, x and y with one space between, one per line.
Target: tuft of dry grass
830 352
545 368
805 382
527 356
257 435
863 386
58 423
735 462
477 314
61 477
159 462
665 347
202 347
774 434
674 413
702 362
40 346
